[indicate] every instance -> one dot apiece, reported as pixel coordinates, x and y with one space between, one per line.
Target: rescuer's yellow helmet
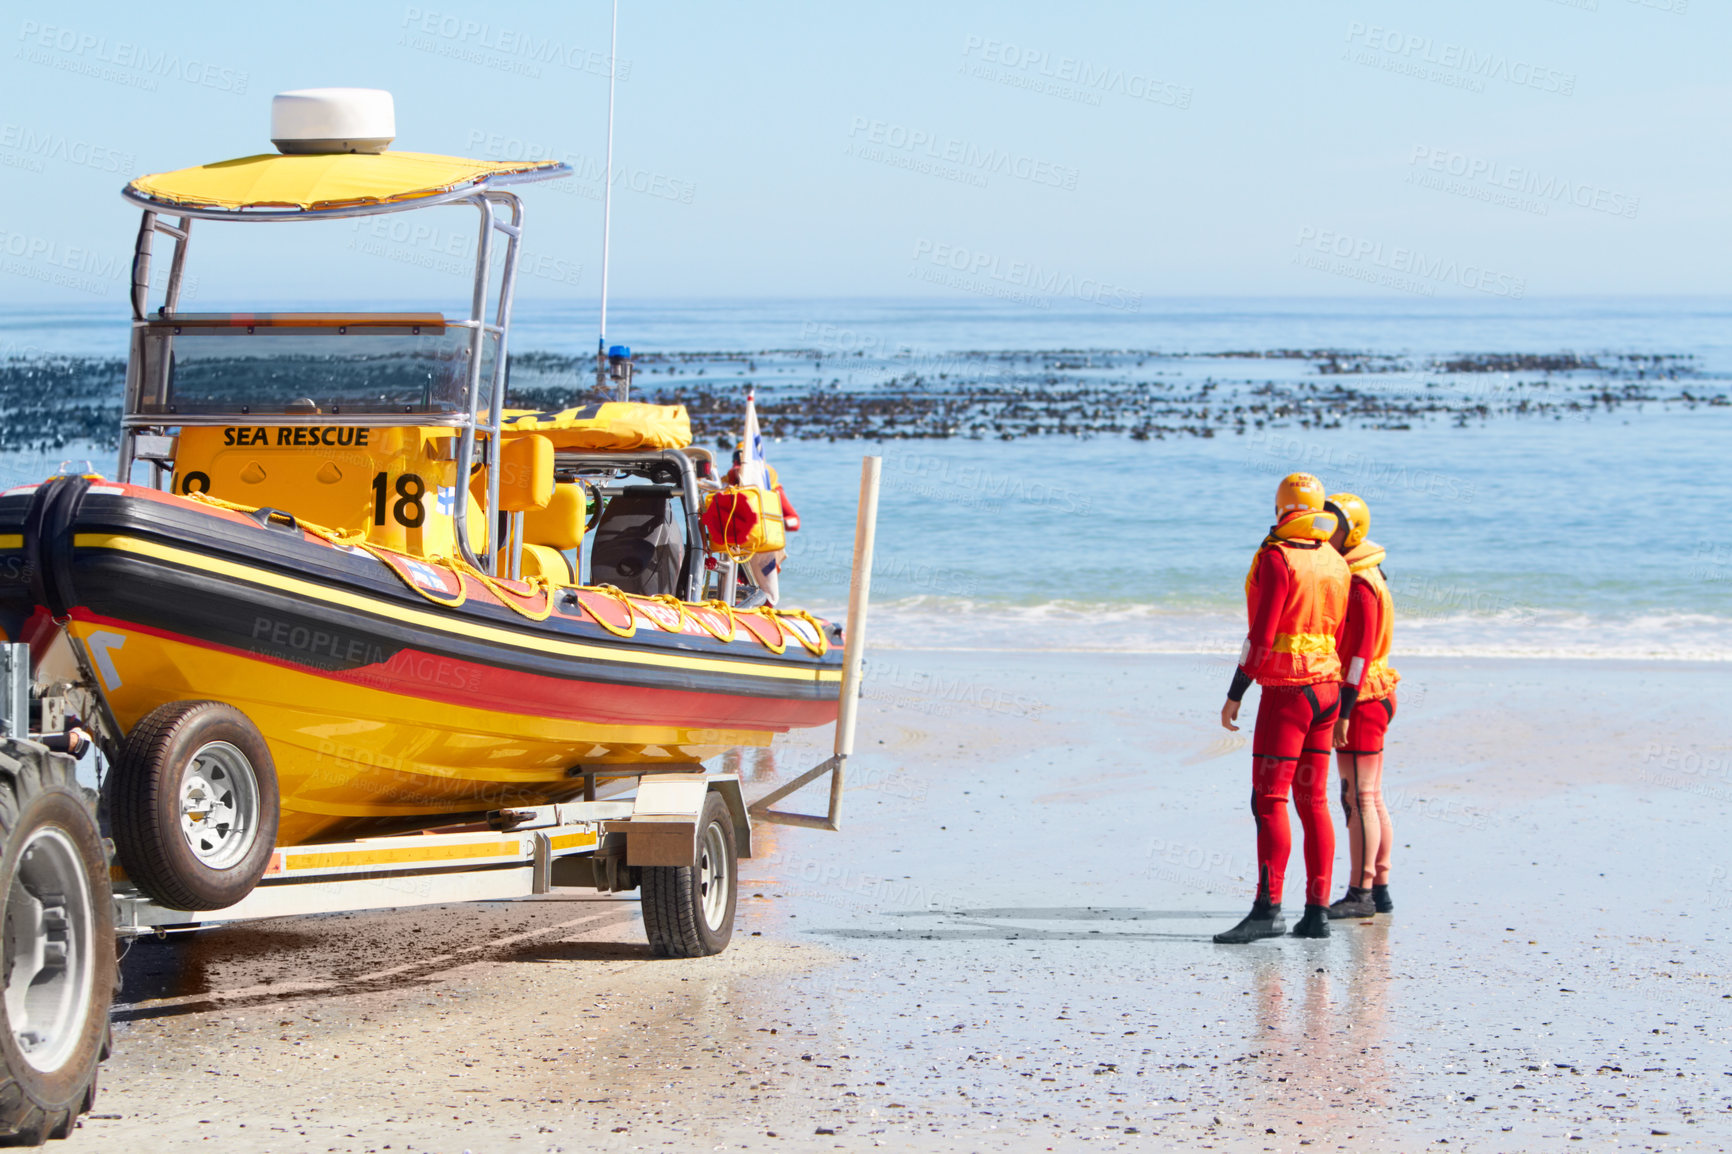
1298 493
1358 516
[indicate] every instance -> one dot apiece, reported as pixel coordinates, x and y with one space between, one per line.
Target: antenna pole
601 370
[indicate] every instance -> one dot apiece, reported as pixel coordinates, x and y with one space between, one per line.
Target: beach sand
1007 947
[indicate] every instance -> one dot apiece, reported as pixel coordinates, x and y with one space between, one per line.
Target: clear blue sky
782 149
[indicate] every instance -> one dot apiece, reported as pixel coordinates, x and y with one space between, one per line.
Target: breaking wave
936 623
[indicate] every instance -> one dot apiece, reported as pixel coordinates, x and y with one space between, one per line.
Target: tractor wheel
59 962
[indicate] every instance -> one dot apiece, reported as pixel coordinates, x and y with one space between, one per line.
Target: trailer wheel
688 911
194 805
59 964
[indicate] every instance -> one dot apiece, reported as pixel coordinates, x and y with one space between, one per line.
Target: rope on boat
780 645
461 569
676 605
726 612
507 596
815 648
618 594
390 561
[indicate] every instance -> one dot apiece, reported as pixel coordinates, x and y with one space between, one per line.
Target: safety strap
1304 644
1318 713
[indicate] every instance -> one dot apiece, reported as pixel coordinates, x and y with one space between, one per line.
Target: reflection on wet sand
762 764
1317 1037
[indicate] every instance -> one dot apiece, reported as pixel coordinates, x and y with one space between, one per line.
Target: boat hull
381 707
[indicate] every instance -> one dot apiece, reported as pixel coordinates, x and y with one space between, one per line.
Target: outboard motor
639 544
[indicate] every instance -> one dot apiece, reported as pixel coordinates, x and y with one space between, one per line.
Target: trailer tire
688 911
182 756
58 933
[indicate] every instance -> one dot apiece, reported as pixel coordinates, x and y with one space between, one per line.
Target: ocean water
1583 531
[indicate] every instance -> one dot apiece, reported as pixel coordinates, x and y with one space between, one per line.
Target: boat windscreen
304 364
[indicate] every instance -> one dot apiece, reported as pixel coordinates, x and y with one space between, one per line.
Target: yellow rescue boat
346 598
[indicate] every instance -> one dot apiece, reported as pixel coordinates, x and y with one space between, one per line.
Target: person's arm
1273 580
1355 644
790 519
1358 640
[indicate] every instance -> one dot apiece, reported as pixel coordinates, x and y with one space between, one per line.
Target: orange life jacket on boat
1304 651
1363 561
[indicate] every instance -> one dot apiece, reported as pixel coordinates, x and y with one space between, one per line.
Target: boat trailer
515 853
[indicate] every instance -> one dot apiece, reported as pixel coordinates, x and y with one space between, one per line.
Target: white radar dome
333 120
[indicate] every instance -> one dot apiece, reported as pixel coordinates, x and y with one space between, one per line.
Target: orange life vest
1304 650
1363 561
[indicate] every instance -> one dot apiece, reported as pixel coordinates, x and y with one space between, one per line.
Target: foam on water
955 624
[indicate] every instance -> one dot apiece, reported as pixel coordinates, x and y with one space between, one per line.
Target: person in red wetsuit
790 519
763 570
1296 595
1367 708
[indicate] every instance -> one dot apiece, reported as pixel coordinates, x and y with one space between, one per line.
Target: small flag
753 471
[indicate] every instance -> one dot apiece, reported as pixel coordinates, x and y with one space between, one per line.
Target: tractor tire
59 961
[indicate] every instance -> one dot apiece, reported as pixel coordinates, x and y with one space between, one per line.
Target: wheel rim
714 868
219 805
48 942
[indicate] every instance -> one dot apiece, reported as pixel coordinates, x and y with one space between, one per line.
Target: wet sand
1007 947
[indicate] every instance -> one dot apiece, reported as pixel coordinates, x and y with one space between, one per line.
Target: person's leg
1347 766
1379 874
1276 742
1356 902
1283 715
1365 733
1377 861
1375 819
1362 796
1311 800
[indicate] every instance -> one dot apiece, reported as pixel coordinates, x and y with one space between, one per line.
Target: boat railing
205 369
674 467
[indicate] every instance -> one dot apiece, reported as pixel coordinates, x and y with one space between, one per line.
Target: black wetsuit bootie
1264 921
1381 899
1356 903
1315 923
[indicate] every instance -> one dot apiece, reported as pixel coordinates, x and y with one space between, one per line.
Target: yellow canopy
328 181
622 426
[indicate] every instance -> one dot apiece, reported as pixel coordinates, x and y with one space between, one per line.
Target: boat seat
639 542
549 532
546 562
560 522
